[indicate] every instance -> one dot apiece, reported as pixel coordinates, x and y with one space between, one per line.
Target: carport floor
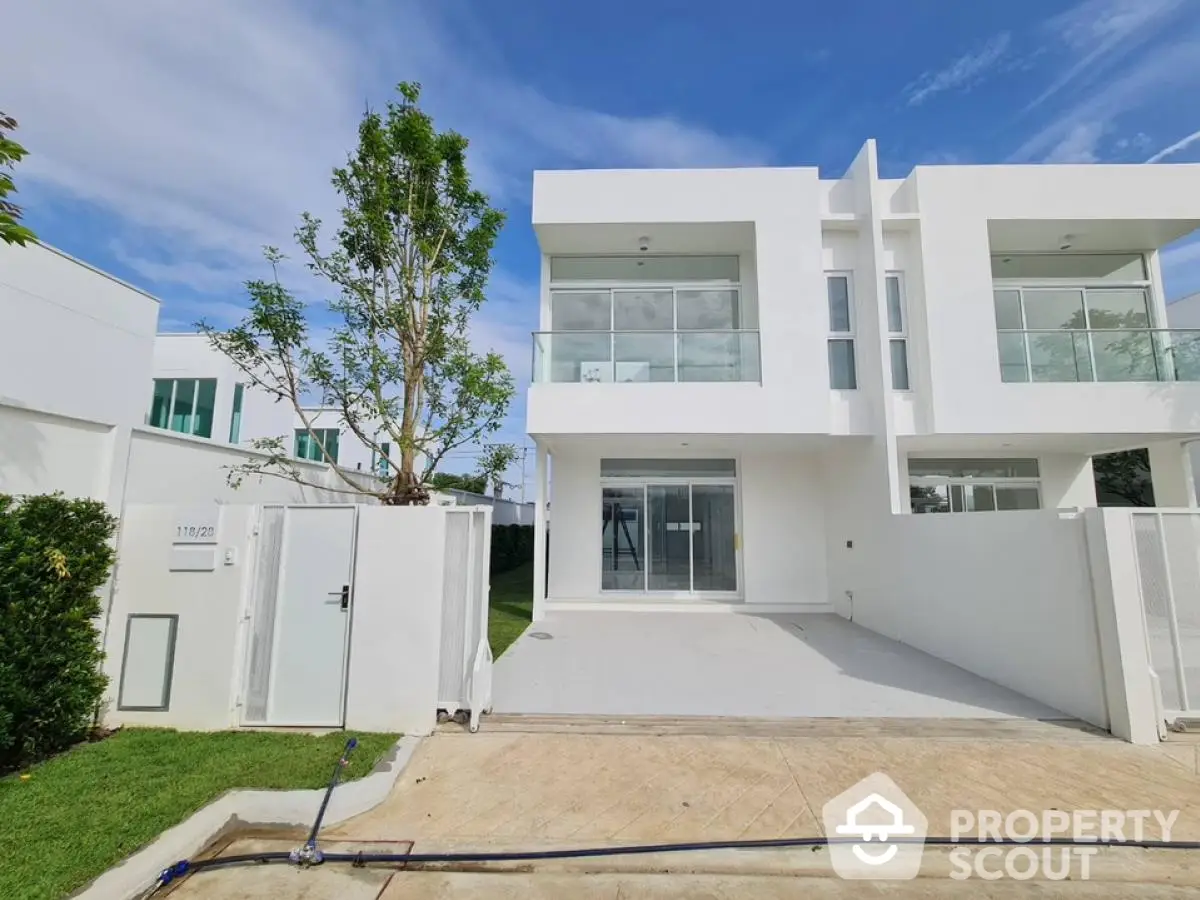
723 664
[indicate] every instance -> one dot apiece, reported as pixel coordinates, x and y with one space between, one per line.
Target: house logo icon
864 824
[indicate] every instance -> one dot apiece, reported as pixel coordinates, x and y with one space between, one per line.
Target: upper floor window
973 485
309 444
1076 317
897 319
185 405
235 417
842 371
381 462
645 318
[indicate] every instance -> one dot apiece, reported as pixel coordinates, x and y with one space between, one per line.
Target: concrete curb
285 808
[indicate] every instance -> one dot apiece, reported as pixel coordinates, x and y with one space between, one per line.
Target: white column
1171 474
541 499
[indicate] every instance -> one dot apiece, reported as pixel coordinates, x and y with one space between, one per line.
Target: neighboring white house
742 373
198 390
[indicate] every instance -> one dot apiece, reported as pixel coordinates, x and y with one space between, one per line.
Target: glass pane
667 468
725 356
160 405
301 449
841 366
185 396
329 439
668 538
1118 309
1017 497
644 268
957 503
1013 365
929 498
235 419
1053 308
707 310
714 556
1008 309
580 310
643 311
1070 267
206 402
1060 357
622 562
899 350
384 463
1181 351
980 498
838 288
1125 356
895 305
644 357
579 357
973 468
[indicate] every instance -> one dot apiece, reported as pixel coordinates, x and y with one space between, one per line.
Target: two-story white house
738 371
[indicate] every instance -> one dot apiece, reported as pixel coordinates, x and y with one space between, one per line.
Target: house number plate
196 526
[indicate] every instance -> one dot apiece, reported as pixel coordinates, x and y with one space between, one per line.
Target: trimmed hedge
512 546
55 553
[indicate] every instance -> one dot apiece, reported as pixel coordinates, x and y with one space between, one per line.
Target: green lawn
511 606
82 812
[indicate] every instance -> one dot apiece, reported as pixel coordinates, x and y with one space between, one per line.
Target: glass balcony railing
645 356
1127 354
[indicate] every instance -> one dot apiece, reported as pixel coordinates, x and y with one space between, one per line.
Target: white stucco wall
165 467
956 204
73 340
785 272
41 453
1006 595
782 527
209 605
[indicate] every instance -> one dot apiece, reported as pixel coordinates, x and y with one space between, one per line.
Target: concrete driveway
514 789
720 664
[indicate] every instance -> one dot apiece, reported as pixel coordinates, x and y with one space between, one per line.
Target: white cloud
205 130
1181 144
1099 33
962 74
1173 66
1079 145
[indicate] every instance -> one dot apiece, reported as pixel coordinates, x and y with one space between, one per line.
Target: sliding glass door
669 536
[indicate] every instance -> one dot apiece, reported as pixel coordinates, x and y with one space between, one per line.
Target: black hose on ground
185 867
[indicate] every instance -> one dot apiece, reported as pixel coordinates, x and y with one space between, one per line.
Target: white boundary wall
1006 595
395 627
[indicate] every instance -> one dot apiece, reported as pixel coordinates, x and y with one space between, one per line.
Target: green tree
444 481
11 153
409 262
494 462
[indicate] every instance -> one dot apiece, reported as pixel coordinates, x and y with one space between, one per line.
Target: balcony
1099 355
631 357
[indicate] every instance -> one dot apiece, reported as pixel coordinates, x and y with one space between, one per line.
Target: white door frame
279 589
645 482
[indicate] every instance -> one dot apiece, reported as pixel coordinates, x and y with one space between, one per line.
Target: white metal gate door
1167 547
465 671
300 620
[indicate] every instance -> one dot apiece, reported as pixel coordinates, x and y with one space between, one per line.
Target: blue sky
170 141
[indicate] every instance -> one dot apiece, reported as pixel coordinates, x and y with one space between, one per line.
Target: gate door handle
343 595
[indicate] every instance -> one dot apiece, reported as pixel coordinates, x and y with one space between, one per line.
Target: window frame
849 336
310 436
900 336
994 482
192 418
1019 285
